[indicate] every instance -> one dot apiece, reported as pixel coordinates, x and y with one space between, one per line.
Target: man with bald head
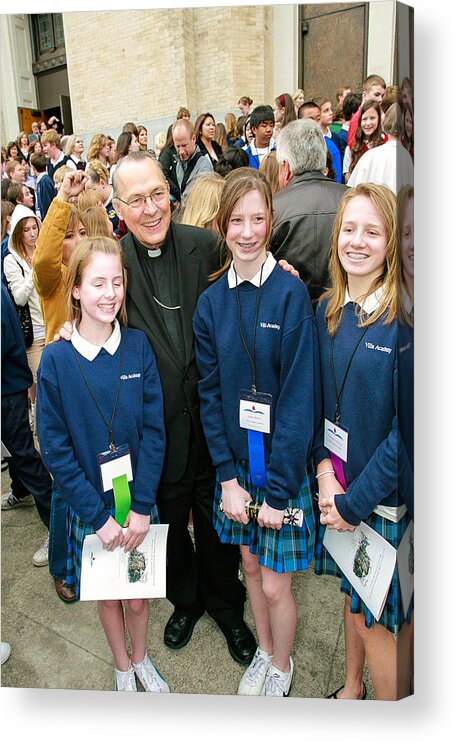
168 265
191 162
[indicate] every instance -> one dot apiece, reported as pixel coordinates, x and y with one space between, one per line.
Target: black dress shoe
241 642
179 629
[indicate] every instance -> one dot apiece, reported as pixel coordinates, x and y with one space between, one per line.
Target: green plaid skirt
392 616
290 549
77 530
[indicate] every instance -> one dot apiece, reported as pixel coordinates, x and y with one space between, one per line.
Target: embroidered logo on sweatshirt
270 326
126 377
382 348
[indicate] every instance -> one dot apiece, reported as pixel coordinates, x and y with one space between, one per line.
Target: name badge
254 412
336 439
115 464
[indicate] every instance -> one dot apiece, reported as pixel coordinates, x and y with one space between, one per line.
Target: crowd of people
229 312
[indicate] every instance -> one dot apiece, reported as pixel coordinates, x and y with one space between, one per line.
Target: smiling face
247 233
149 224
208 128
74 234
27 198
362 244
100 292
369 122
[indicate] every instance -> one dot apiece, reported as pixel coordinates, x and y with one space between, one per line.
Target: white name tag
254 412
114 464
336 439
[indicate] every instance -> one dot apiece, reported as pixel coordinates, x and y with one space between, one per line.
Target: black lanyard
109 426
252 358
338 395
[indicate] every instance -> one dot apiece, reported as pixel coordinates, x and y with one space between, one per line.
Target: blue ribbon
257 457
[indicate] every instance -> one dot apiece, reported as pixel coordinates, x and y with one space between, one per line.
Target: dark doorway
332 48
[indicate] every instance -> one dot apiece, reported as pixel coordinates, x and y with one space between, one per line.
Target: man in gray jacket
306 205
191 161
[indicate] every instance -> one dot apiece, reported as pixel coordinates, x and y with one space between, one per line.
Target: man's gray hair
301 143
139 156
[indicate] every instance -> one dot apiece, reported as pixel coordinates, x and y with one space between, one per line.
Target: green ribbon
122 497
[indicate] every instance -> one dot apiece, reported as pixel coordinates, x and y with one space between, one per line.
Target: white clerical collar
90 350
267 268
371 303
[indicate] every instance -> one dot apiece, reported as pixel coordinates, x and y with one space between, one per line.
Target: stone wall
141 65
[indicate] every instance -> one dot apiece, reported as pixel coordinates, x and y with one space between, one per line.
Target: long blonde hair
80 258
204 200
237 184
385 202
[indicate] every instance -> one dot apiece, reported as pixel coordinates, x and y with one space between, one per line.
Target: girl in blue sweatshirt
256 350
366 478
101 393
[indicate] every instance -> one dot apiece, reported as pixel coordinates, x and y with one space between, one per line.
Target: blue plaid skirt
290 549
392 616
77 530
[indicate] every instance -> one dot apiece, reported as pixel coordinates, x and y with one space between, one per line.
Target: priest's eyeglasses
138 202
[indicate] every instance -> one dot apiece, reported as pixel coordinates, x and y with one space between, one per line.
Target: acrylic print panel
58 646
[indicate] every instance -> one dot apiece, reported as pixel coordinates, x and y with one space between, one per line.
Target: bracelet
327 471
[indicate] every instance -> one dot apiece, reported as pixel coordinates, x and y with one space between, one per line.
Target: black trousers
26 469
205 579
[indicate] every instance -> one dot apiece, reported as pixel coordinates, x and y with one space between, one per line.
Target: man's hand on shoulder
288 268
65 332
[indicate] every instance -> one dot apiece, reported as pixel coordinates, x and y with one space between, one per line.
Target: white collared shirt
90 350
267 267
371 303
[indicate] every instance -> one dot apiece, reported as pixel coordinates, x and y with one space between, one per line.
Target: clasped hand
113 535
330 516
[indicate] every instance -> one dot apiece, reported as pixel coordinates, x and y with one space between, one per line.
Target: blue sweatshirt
16 374
368 410
286 368
72 432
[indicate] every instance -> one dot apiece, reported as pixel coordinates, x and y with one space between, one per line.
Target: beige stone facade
142 65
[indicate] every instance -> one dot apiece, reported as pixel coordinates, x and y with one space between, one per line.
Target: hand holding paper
110 535
137 529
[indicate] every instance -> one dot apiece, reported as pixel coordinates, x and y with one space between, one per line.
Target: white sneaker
150 678
125 680
41 557
5 650
253 678
278 683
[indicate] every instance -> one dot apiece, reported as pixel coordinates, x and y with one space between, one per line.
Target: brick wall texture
143 64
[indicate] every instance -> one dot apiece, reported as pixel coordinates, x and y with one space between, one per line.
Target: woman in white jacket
25 227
